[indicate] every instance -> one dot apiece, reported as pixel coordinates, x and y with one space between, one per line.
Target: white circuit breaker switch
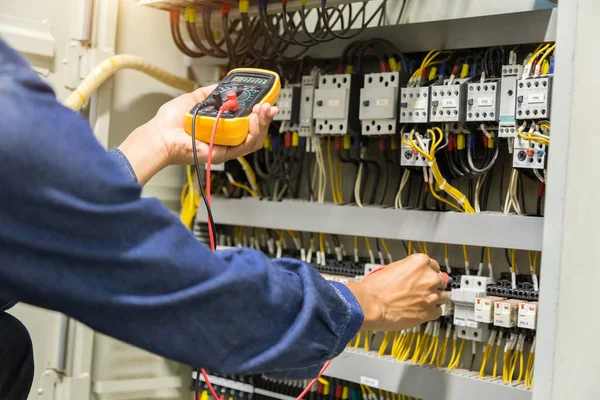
448 102
414 105
307 93
484 309
505 313
533 98
335 106
508 100
528 154
379 103
410 157
483 101
528 315
473 287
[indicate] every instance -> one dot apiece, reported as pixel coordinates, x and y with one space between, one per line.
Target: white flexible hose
108 67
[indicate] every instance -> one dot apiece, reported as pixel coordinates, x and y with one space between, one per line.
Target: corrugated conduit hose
108 67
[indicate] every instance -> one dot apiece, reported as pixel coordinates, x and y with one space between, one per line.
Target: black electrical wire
401 13
197 164
325 18
230 47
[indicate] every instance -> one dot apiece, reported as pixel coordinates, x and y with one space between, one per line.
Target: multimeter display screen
249 79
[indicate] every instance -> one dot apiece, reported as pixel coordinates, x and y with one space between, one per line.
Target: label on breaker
472 324
381 102
364 380
536 98
419 105
333 102
449 103
459 322
485 101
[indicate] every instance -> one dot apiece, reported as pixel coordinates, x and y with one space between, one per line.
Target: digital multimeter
252 86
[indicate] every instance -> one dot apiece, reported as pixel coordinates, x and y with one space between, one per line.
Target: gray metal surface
495 230
420 381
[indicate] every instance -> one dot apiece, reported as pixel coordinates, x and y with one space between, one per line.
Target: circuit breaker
410 157
307 93
336 105
533 98
414 105
528 154
379 103
448 102
465 298
288 104
483 101
508 100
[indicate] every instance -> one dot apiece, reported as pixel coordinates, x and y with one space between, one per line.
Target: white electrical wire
357 185
403 182
108 67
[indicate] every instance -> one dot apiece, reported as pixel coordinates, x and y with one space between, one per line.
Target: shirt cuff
355 317
123 162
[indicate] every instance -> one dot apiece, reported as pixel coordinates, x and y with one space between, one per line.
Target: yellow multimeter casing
252 86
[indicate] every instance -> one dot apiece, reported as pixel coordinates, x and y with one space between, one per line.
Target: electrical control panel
528 154
527 317
409 157
414 105
483 101
307 93
508 100
533 98
379 103
336 105
448 102
505 313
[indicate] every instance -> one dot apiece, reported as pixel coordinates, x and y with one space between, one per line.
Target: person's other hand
163 140
402 295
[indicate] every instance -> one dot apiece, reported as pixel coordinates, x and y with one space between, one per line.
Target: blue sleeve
76 237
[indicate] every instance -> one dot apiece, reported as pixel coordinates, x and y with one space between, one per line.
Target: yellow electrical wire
453 354
189 200
243 187
367 345
340 192
496 353
445 250
249 174
387 250
512 259
441 357
547 53
537 54
384 343
368 244
410 248
331 175
535 139
439 198
529 370
458 356
465 254
489 255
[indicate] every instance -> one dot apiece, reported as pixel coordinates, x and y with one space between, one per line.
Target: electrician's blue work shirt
76 237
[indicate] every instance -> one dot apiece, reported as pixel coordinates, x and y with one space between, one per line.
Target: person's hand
163 141
402 295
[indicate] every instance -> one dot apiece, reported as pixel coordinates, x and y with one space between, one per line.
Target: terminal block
289 105
505 313
414 105
527 315
508 100
307 94
448 102
483 101
528 154
524 290
465 297
410 157
379 103
533 98
335 107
